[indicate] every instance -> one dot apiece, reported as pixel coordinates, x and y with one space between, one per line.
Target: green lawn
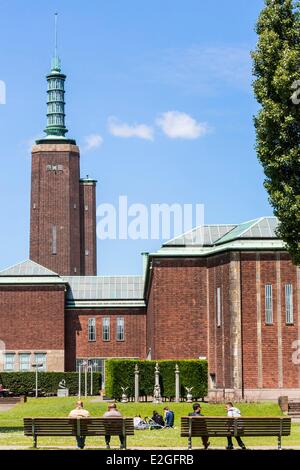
11 423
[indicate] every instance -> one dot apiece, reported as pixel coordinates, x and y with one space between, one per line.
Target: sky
158 98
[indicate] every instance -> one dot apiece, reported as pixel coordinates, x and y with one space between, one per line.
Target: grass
11 423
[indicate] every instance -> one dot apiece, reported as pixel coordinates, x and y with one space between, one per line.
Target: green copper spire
56 97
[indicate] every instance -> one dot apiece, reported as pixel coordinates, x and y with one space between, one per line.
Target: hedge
120 373
21 383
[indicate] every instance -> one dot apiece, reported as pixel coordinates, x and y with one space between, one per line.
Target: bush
120 373
21 383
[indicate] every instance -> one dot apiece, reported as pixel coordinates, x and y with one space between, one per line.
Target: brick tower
63 207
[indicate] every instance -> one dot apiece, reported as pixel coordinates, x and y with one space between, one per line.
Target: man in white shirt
233 412
79 412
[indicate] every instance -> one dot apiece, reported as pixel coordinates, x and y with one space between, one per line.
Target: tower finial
55 64
56 96
55 34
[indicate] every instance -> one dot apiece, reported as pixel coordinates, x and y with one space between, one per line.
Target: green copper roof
104 287
264 227
27 268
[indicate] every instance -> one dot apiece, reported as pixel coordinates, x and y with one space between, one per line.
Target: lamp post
91 367
36 365
79 380
84 365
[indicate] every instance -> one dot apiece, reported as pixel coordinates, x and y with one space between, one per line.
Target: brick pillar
54 212
258 312
235 320
279 325
88 237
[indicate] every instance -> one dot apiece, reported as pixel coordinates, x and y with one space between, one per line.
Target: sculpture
62 384
124 395
189 396
62 390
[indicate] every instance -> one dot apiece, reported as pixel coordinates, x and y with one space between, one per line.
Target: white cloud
92 142
119 129
178 125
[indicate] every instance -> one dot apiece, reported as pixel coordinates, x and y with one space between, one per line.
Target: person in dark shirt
158 421
197 412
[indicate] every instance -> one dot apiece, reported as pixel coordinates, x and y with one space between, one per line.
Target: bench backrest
243 426
80 427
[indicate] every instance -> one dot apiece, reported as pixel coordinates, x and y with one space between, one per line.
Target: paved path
6 407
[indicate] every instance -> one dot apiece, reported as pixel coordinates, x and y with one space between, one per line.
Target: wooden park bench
115 426
214 426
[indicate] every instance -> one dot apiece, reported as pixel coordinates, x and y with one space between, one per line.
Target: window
268 304
106 329
40 359
54 240
9 364
120 329
219 306
289 314
92 329
24 359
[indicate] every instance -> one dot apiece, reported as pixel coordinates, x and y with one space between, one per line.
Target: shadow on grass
10 429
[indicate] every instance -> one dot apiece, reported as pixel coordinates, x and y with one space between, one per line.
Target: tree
276 66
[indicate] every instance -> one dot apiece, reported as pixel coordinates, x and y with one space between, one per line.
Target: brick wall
78 346
32 317
177 309
219 336
88 228
267 349
55 202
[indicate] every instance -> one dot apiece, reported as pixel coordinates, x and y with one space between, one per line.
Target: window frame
120 337
269 318
103 328
289 305
92 334
44 361
22 355
13 355
219 307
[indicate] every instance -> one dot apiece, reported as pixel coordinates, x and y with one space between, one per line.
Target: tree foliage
276 66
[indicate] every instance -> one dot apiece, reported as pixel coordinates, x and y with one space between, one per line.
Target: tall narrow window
24 360
268 304
40 361
9 364
106 329
54 240
92 329
219 306
289 314
120 329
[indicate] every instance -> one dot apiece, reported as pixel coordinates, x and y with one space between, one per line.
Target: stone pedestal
63 392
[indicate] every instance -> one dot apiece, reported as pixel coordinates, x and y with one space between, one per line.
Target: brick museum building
234 299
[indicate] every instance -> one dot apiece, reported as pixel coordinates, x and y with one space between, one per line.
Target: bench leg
35 441
279 442
190 443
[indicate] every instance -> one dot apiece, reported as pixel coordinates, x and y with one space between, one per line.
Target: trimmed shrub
21 383
120 373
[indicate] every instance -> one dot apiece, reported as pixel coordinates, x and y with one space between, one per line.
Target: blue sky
158 98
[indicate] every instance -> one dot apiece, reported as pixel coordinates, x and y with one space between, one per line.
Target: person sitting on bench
79 412
111 413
